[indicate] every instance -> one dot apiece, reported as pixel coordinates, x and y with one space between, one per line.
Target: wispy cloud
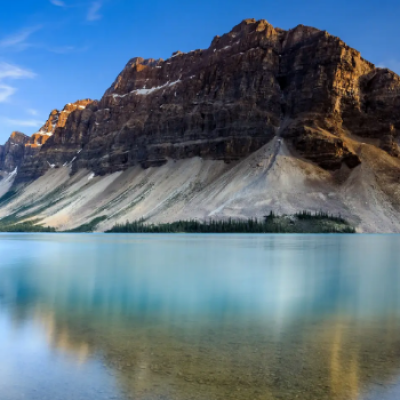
20 38
66 49
32 112
9 72
14 72
31 123
94 11
58 3
18 41
6 92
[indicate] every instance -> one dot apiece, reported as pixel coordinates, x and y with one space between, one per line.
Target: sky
53 52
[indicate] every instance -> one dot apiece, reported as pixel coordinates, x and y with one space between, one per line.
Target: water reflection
199 317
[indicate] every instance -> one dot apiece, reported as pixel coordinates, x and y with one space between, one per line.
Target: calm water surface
204 317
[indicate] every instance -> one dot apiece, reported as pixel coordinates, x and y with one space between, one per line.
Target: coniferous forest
304 222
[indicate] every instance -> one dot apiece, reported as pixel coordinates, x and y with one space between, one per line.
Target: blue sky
53 52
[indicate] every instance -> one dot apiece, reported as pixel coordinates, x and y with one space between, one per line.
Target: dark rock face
227 101
12 153
21 150
65 132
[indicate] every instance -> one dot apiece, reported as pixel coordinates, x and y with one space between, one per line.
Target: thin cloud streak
30 123
10 71
32 112
67 49
19 39
14 72
6 92
58 3
93 13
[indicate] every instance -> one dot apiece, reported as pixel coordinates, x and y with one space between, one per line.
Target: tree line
303 222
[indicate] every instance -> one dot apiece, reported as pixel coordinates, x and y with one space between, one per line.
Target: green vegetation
307 215
11 224
27 226
304 222
89 227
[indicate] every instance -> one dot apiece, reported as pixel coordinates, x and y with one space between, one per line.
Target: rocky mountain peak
264 119
250 25
20 148
17 137
57 119
252 84
12 152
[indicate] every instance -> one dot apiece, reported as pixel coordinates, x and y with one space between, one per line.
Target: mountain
264 119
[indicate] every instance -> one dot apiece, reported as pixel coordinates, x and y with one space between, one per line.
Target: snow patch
12 174
67 164
44 133
176 55
145 92
119 95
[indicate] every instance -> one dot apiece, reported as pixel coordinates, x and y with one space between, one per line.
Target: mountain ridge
254 86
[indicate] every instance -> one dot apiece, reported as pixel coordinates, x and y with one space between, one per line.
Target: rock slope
263 119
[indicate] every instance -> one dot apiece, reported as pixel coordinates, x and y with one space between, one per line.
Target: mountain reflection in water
199 317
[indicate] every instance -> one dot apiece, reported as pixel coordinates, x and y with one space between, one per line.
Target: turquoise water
199 317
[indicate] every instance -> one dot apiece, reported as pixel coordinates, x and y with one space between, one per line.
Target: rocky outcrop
58 142
58 119
225 102
21 149
320 145
12 153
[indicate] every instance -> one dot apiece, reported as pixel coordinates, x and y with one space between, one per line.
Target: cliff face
12 153
227 101
22 151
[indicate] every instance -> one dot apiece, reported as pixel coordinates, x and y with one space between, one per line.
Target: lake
97 316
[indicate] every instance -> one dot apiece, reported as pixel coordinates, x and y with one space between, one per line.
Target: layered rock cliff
12 153
254 86
225 102
20 150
